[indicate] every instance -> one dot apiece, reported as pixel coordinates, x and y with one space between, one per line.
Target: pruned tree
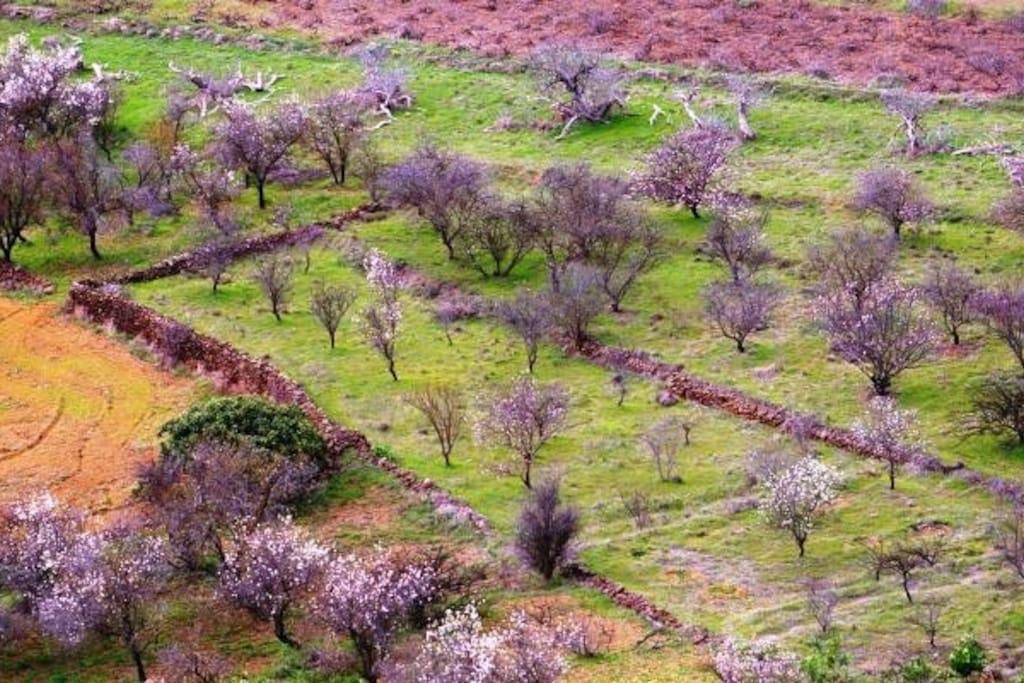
910 108
1002 310
1009 536
258 142
273 275
368 599
822 601
329 305
444 408
684 170
739 309
546 529
890 433
382 317
581 88
997 406
951 292
622 254
23 188
746 94
498 236
663 441
578 300
928 617
893 196
269 570
736 238
883 335
852 260
523 417
901 559
528 315
335 128
797 495
447 190
88 189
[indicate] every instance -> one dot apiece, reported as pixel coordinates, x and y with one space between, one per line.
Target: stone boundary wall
14 278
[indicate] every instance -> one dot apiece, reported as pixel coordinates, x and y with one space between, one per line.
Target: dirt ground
78 411
853 44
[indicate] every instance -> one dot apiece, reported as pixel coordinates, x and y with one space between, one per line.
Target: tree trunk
260 192
391 369
746 130
892 475
331 334
906 588
526 474
140 668
801 541
694 211
92 245
281 633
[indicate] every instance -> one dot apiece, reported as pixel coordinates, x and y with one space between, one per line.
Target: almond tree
901 559
446 189
894 196
756 662
258 142
335 128
740 309
951 291
523 417
889 432
852 260
329 304
87 188
797 495
684 169
1009 533
882 336
736 238
910 108
23 176
578 300
997 406
443 407
382 317
1002 309
528 315
269 570
498 236
211 186
273 274
367 599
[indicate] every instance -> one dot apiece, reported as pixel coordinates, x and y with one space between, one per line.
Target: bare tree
274 277
852 260
329 304
581 87
498 236
822 600
894 196
576 303
901 560
663 441
927 617
528 315
444 408
638 506
747 94
997 406
951 292
622 255
740 309
334 130
1009 535
736 237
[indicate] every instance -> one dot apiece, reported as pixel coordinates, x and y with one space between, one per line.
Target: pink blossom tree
259 142
1002 309
269 570
797 495
882 335
951 291
523 417
382 317
368 599
684 169
740 309
87 188
336 127
894 196
736 238
23 185
757 662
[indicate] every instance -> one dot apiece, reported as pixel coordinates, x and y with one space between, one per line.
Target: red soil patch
853 44
78 411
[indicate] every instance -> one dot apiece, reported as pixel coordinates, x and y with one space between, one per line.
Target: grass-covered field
725 570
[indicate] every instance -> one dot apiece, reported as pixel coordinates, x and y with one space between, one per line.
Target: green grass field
727 571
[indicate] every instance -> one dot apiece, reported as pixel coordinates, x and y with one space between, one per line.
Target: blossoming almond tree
797 495
889 432
382 317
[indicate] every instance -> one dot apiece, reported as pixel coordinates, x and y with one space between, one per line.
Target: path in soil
78 412
854 44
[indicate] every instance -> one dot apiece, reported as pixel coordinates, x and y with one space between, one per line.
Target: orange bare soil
78 411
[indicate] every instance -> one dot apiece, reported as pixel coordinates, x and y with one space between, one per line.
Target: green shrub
827 662
967 657
244 419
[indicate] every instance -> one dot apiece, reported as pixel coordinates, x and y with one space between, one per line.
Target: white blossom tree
797 495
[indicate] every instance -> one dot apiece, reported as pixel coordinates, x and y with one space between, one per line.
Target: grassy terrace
726 570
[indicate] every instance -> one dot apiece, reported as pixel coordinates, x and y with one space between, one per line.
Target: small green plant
827 662
968 657
917 670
